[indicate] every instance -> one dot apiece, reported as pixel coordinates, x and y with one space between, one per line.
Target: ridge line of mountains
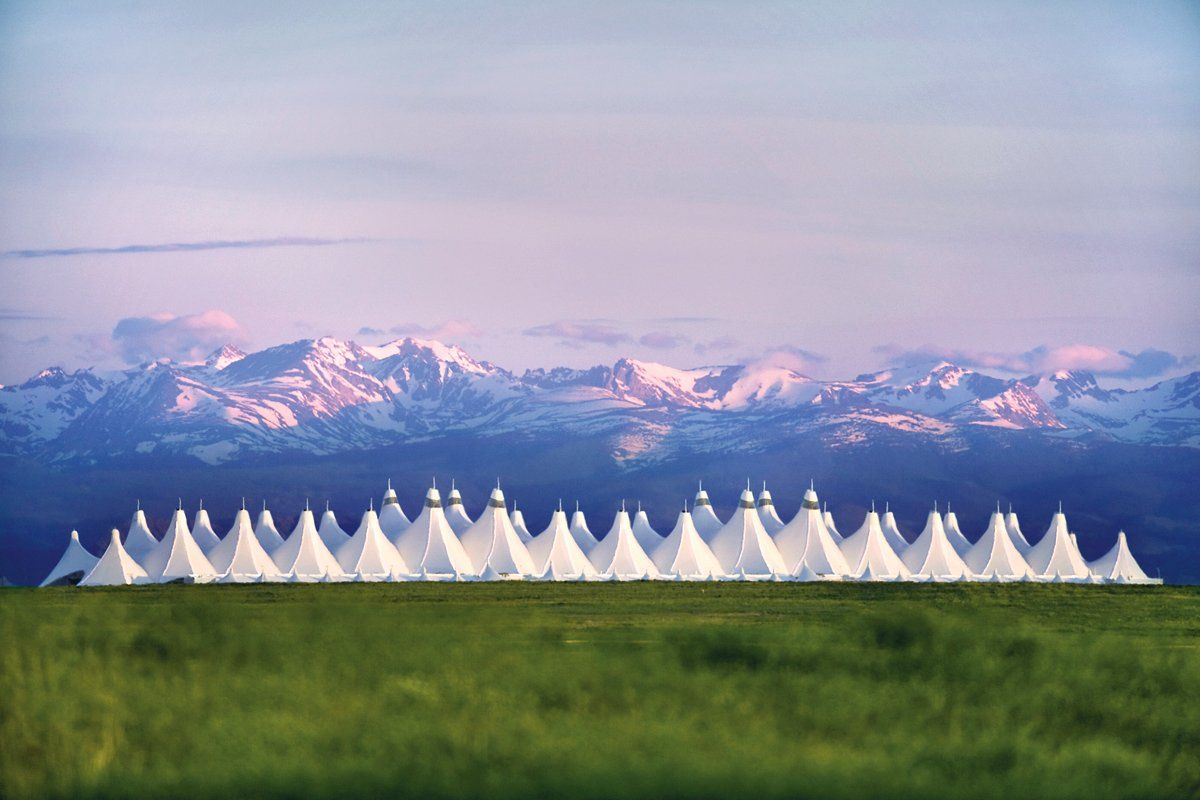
327 396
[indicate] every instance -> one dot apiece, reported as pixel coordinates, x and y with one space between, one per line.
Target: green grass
646 690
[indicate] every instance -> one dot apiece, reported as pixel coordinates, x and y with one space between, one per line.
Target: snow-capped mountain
327 396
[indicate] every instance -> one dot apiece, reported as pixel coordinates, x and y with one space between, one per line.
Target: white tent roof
704 518
202 531
619 556
806 543
492 542
647 537
830 526
178 557
579 529
305 557
429 545
743 547
1014 532
868 554
456 515
330 532
116 567
1119 565
996 554
931 554
139 541
891 531
684 553
767 513
555 553
368 553
392 520
1054 556
517 520
266 532
954 533
240 556
76 562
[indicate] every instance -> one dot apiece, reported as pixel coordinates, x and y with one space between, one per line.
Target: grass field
646 690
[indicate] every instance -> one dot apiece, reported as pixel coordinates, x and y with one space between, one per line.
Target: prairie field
633 690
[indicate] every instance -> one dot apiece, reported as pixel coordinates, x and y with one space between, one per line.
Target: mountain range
327 396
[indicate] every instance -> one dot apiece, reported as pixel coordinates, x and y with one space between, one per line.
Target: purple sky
842 184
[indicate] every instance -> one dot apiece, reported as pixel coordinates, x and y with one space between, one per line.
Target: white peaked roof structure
868 554
647 537
76 562
618 556
830 526
557 555
240 556
456 515
392 519
954 533
1054 556
178 557
116 567
330 532
266 532
139 541
996 555
767 513
579 529
202 531
304 557
492 542
429 545
685 555
891 531
704 518
932 556
743 547
806 543
517 520
1014 532
369 555
1119 566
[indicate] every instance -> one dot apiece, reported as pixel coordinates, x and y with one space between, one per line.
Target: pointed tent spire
371 503
389 484
180 506
559 504
201 503
812 484
243 504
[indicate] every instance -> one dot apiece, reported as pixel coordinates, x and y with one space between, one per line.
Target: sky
841 185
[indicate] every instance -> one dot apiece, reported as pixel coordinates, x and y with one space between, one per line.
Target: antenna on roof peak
622 504
306 505
180 503
685 505
326 503
747 484
887 507
264 504
577 505
1060 506
560 504
371 503
243 504
139 504
812 484
872 506
997 506
764 486
452 484
935 507
639 505
201 503
435 481
389 484
700 483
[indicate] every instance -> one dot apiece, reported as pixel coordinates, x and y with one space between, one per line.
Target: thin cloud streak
186 247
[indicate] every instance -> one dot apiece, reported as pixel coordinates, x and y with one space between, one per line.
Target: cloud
8 314
366 330
663 340
579 334
788 356
446 331
190 337
1044 359
185 247
718 344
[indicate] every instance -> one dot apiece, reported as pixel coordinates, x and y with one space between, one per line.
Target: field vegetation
637 690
